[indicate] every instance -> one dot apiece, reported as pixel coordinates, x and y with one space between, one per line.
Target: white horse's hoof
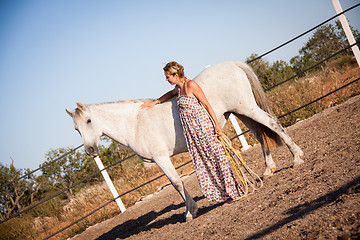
190 215
298 162
297 159
268 172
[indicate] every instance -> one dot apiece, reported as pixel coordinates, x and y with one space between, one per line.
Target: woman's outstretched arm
163 98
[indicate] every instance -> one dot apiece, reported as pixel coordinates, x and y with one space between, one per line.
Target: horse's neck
117 119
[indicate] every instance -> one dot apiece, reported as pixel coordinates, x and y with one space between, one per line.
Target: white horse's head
88 128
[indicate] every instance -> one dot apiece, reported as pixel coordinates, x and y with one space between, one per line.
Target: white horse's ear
69 112
80 106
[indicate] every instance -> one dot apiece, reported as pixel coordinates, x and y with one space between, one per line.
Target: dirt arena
318 200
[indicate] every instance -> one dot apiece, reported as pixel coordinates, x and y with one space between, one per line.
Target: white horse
157 134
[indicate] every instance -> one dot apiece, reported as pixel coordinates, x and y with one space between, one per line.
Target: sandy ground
318 200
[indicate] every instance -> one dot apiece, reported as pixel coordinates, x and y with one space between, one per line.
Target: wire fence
313 66
304 33
97 172
43 166
64 190
154 179
305 105
112 200
275 85
250 61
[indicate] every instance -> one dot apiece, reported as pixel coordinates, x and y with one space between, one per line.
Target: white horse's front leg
166 166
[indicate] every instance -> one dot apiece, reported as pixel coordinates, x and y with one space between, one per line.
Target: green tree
16 195
270 74
63 173
259 67
116 152
325 41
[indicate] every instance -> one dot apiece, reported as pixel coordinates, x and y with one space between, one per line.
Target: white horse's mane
122 101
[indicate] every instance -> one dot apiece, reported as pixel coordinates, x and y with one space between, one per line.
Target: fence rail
304 33
112 200
37 169
313 66
305 105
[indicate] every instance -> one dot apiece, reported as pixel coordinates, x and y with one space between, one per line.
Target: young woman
200 127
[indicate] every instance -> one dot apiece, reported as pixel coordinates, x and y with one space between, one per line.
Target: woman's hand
163 98
149 105
218 130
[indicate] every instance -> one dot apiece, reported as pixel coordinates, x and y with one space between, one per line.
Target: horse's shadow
145 222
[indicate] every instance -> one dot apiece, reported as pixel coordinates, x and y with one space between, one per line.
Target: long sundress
208 156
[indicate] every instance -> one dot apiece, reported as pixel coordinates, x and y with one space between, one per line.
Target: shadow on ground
146 222
306 208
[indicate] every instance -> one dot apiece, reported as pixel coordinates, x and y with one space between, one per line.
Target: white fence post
110 184
238 131
347 30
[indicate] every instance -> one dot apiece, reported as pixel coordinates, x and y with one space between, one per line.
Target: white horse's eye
89 121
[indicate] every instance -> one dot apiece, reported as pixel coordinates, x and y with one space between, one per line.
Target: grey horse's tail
271 139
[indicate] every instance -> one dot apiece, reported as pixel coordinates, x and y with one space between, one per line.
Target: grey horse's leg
253 127
166 166
273 123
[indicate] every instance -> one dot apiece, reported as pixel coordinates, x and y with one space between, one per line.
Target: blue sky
56 53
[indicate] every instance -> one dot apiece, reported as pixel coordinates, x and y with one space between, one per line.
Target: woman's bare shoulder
192 84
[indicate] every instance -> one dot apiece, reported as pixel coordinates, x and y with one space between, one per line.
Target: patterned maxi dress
208 156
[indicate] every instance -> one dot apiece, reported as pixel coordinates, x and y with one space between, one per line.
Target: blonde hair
174 68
